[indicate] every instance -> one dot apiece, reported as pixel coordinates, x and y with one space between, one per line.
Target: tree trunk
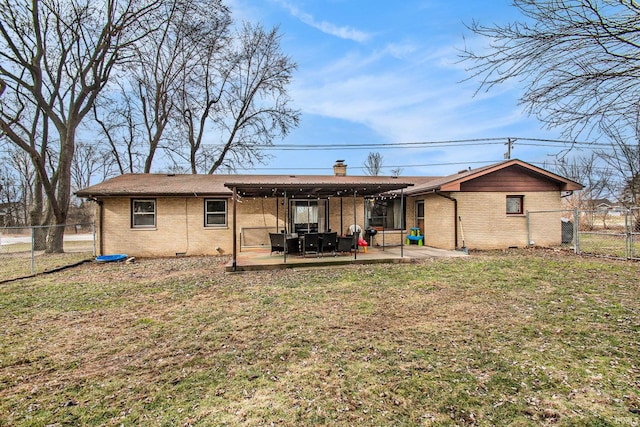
60 206
36 217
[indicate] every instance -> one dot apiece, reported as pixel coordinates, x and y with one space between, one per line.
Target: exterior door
308 216
420 215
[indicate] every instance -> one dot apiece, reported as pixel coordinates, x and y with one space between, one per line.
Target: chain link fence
613 233
23 250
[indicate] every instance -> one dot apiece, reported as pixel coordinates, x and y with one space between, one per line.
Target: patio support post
403 224
284 235
355 223
341 226
235 237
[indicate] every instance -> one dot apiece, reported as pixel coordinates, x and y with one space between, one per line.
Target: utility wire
534 142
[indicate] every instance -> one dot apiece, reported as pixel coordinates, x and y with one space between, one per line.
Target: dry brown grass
519 338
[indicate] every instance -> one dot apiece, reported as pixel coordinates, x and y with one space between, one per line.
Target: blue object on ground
111 258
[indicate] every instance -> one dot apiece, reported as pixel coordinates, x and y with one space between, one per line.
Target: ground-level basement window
515 205
143 213
215 213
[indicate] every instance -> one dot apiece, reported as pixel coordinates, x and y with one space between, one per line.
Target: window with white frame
215 212
143 213
515 205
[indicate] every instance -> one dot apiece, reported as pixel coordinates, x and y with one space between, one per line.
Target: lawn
529 337
609 244
17 265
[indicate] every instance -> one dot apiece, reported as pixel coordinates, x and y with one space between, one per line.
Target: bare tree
579 61
596 176
254 107
373 164
208 97
55 58
119 129
625 158
202 85
90 162
11 206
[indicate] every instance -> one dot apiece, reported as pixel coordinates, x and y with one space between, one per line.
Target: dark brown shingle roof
159 185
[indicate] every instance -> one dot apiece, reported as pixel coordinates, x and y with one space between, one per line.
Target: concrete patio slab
256 259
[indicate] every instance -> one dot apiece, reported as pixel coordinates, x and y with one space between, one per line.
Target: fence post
576 235
33 247
627 231
632 229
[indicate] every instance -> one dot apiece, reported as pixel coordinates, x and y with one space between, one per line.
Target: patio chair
277 242
344 244
311 243
330 242
293 245
348 243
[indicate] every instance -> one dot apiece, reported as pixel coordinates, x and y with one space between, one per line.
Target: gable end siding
511 179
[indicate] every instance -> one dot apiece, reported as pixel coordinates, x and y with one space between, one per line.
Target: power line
534 142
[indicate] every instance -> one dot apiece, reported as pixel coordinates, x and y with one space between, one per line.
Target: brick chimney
340 169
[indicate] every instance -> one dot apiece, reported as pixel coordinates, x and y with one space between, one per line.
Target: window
386 213
215 213
515 205
143 213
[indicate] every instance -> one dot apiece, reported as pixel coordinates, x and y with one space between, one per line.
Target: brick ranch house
167 215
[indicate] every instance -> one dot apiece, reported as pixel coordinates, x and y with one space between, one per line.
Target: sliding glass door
308 216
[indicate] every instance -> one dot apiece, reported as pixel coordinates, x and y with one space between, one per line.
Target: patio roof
187 185
317 186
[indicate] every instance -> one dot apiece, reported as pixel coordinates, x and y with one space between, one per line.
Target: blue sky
380 72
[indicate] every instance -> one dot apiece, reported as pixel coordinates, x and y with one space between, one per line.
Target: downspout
355 223
455 214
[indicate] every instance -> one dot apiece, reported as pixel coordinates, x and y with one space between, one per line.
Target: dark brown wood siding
511 179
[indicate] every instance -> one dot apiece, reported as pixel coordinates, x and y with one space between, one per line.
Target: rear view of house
169 215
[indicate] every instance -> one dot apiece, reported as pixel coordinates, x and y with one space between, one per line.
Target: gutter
455 214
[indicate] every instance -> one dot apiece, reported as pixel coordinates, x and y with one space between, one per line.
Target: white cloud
404 102
343 32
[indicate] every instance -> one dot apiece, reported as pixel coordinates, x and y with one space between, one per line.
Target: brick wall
180 225
485 222
179 229
487 226
439 220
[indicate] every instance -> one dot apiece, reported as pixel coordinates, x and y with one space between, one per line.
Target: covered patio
343 188
257 259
